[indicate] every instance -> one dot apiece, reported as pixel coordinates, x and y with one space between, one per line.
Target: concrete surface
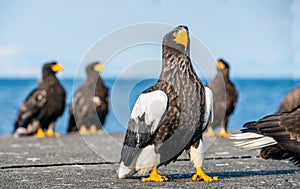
91 161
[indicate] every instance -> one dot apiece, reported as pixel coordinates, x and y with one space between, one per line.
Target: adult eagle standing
89 105
43 105
225 99
169 117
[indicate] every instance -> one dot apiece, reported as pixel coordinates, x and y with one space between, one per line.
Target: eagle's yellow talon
40 133
201 176
209 133
223 133
50 133
155 177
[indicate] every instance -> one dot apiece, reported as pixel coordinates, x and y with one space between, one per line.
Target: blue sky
259 38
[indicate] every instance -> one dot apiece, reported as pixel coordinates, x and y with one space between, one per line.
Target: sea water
257 98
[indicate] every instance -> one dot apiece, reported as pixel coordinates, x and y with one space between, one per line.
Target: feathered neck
175 62
49 78
94 80
92 77
223 74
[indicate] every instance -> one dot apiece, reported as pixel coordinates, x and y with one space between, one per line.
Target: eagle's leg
50 132
210 132
40 133
223 132
155 177
196 154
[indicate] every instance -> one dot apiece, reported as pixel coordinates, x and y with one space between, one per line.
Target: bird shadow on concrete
230 174
254 173
234 174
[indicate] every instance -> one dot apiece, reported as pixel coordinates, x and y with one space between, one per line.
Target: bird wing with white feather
31 107
144 120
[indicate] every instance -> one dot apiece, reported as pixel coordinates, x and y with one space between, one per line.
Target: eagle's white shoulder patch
209 106
153 105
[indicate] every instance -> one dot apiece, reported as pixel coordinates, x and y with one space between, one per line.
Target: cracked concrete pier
91 161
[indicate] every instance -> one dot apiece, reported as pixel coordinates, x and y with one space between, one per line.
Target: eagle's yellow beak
57 67
220 65
181 37
99 67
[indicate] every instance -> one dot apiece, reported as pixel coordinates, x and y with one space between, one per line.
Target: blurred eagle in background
89 105
42 106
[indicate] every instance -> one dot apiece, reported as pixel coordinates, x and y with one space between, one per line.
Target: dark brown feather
280 127
291 100
182 124
45 103
84 110
225 96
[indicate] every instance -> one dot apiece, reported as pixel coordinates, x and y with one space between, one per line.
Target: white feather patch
251 141
197 155
31 128
243 136
209 108
97 100
147 160
153 105
124 171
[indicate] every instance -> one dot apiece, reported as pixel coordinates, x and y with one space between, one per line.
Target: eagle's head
178 39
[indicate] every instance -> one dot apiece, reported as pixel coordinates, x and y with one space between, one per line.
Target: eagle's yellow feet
50 133
223 133
92 130
201 176
210 133
155 177
40 133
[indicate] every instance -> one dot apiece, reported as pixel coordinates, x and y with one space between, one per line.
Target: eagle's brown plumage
291 100
182 122
89 105
284 128
225 97
43 105
289 103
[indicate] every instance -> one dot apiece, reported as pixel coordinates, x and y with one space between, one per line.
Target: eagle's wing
31 107
235 97
261 133
277 135
291 123
284 128
281 128
196 151
78 109
145 119
78 103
